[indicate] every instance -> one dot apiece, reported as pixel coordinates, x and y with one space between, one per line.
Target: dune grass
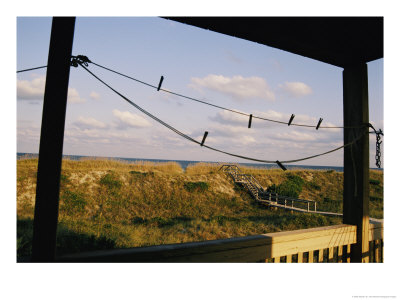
116 204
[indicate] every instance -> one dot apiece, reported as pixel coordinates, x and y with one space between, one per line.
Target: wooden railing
261 195
322 244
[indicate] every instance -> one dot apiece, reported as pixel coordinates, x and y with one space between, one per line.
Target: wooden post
300 257
320 255
356 158
330 254
51 140
340 254
310 256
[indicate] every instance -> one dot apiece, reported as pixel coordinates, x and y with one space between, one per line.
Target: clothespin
319 123
250 118
204 138
291 119
159 85
282 166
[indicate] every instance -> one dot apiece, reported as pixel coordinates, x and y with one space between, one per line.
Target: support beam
51 140
356 158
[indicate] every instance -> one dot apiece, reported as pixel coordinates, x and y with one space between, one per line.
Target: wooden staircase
261 195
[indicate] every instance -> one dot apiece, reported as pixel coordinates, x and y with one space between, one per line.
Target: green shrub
297 180
374 181
291 187
73 202
198 186
64 180
313 186
138 173
111 181
373 198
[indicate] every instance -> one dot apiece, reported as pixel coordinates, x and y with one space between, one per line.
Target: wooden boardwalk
262 196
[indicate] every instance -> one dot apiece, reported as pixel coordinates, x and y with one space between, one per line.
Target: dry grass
120 204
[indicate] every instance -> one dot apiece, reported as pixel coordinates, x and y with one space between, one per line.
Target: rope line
211 148
85 60
20 71
220 107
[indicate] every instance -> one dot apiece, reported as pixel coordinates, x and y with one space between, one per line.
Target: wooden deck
322 244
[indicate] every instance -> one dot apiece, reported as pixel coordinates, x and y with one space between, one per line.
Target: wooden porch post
356 158
51 140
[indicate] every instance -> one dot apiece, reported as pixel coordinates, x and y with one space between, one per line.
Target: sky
220 69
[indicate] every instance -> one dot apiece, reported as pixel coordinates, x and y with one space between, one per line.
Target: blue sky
202 64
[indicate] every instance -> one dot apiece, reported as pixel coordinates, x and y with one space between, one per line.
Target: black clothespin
204 138
282 166
319 123
250 118
291 119
159 85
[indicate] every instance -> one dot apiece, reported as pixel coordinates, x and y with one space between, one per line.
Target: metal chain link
378 148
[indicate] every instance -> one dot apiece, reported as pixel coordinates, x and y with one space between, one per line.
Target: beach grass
107 203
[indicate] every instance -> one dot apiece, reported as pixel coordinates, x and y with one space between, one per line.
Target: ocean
185 163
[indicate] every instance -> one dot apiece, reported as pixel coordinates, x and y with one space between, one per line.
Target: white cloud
227 117
34 90
31 90
238 87
273 115
73 96
127 119
86 123
296 89
94 95
296 136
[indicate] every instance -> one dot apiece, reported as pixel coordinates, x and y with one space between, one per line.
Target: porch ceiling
340 41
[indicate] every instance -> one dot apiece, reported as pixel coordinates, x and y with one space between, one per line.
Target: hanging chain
378 144
378 148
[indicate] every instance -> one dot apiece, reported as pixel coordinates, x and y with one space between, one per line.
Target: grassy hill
113 204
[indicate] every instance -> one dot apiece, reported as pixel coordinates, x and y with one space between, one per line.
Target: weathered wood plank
245 249
320 255
348 252
340 254
300 257
310 256
376 231
376 250
330 254
253 248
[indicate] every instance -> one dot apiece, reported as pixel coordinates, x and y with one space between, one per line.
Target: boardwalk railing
261 195
322 244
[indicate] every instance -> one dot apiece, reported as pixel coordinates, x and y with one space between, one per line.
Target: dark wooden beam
340 41
51 140
356 158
